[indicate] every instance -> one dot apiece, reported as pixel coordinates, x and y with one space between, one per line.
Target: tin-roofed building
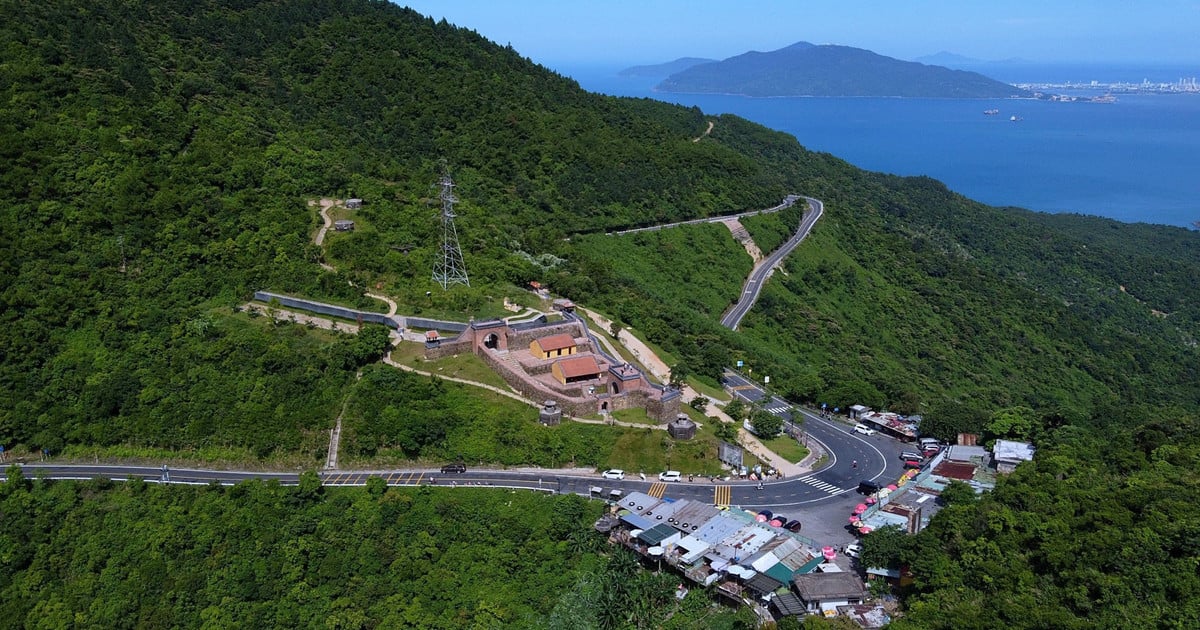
826 591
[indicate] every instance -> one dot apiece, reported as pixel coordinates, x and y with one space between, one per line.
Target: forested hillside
159 160
257 555
161 155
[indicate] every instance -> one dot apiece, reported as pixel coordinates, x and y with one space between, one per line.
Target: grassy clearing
708 388
787 448
466 366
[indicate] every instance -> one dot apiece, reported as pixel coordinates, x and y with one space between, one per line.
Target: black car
454 468
868 487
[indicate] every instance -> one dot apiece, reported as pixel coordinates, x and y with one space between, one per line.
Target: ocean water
1136 160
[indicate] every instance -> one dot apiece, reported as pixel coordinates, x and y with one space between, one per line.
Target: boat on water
990 112
1015 118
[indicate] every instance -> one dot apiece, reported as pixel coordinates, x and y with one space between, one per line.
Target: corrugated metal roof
780 572
655 535
690 516
639 502
788 604
748 540
718 529
637 521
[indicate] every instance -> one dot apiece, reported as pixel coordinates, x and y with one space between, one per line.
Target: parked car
670 475
853 550
613 474
912 463
911 455
454 468
864 429
867 486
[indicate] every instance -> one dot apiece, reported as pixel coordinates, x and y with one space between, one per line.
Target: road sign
766 379
741 363
823 405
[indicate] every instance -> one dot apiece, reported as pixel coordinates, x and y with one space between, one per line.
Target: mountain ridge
805 69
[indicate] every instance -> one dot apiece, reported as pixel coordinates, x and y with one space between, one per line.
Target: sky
624 32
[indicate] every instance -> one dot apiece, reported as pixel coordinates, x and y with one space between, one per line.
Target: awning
637 520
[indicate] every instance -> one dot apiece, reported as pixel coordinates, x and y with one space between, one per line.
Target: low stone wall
448 348
523 338
537 392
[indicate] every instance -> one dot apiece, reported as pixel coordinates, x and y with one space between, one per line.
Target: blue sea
1135 160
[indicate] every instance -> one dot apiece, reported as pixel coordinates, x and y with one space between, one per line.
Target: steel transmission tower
448 265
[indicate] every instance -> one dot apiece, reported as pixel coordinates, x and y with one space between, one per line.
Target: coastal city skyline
624 32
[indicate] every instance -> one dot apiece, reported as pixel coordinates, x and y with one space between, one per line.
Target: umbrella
761 518
853 519
871 500
860 508
829 552
883 492
892 487
911 473
864 530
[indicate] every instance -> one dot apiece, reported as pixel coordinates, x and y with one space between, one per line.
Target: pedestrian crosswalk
722 496
657 490
821 485
778 408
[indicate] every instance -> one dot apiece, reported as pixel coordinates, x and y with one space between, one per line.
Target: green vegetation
158 160
1099 530
786 447
464 366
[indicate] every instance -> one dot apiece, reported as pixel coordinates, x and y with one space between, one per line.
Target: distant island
663 70
805 69
961 62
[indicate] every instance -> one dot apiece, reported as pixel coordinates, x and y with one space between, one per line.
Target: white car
864 429
670 475
613 474
853 549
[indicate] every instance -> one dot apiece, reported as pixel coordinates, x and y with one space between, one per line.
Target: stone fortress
559 362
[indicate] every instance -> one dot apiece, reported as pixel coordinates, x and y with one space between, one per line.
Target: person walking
854 464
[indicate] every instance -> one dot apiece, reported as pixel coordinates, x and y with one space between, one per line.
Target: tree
736 409
679 374
1015 423
887 547
725 431
957 493
699 403
766 424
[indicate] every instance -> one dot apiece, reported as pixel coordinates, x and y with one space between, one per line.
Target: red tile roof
579 366
556 342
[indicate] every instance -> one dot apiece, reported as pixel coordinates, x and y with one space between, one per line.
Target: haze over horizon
622 32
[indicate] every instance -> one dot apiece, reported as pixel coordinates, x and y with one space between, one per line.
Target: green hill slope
160 155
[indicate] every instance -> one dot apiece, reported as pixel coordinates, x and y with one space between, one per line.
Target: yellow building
560 345
576 369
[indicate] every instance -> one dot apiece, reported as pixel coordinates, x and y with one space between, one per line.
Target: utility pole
448 266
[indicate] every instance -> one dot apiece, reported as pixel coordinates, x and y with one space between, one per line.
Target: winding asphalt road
764 269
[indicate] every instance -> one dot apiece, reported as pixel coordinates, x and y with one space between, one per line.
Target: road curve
762 271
